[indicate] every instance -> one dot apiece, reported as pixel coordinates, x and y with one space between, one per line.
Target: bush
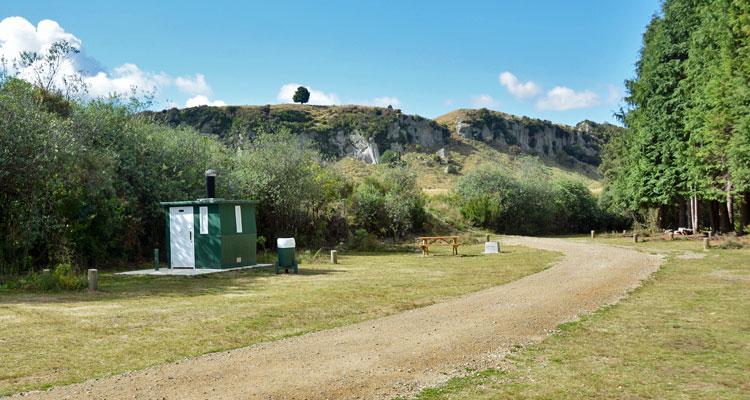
531 204
390 157
62 277
389 203
298 196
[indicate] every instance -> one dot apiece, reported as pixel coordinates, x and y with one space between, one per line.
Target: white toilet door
182 237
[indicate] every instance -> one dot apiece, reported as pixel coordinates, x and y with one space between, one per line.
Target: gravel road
399 354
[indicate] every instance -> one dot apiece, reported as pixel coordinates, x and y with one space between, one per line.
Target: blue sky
563 60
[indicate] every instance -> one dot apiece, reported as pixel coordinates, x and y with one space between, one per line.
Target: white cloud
518 89
124 79
614 95
201 100
196 85
484 100
18 35
317 97
386 101
562 98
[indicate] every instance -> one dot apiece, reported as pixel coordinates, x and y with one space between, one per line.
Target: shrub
389 203
62 277
390 157
531 203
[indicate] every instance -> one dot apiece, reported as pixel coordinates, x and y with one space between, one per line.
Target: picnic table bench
426 241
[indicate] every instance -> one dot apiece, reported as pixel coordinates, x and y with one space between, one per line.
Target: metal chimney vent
210 183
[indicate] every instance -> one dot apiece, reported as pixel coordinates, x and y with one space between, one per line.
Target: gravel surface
399 354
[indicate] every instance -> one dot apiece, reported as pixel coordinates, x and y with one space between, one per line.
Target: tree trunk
723 218
681 213
730 206
713 215
745 211
660 216
695 214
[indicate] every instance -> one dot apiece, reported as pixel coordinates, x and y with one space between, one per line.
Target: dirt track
399 354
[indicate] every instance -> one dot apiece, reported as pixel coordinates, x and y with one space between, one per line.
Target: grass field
684 334
135 322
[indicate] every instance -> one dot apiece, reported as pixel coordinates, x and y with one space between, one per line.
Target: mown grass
135 322
684 334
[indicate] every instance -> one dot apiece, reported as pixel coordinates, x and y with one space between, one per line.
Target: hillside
366 132
340 131
571 147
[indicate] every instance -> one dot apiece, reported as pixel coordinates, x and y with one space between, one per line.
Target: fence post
706 244
93 280
334 257
635 238
156 259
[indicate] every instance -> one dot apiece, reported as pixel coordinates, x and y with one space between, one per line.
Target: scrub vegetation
135 322
683 334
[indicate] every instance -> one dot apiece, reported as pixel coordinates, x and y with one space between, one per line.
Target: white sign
491 247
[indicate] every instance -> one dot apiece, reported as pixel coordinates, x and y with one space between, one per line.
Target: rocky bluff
366 132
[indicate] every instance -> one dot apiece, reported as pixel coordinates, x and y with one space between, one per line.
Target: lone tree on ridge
302 95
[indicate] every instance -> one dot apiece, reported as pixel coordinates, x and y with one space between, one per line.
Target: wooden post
156 259
334 257
488 238
635 238
93 280
706 244
593 233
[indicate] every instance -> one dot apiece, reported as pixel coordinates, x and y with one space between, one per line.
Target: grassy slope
140 321
684 334
469 155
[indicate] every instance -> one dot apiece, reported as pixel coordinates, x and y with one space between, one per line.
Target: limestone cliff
340 131
565 144
366 132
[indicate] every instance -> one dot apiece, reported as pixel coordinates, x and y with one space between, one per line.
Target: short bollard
156 259
706 244
93 280
635 238
593 233
624 232
334 257
710 234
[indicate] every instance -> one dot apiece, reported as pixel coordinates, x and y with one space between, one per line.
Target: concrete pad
188 271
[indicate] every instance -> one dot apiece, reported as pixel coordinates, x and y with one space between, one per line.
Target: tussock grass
683 334
135 322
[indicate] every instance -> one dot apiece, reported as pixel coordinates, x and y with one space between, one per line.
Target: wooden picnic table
426 241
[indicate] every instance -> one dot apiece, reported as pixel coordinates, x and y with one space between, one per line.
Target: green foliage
301 95
529 202
688 111
389 203
390 157
62 277
86 186
298 196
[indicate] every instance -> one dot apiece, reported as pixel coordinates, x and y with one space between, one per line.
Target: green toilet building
210 233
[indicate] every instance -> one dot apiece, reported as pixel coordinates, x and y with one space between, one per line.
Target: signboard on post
491 247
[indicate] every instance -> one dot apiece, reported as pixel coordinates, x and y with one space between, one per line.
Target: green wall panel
208 246
235 246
